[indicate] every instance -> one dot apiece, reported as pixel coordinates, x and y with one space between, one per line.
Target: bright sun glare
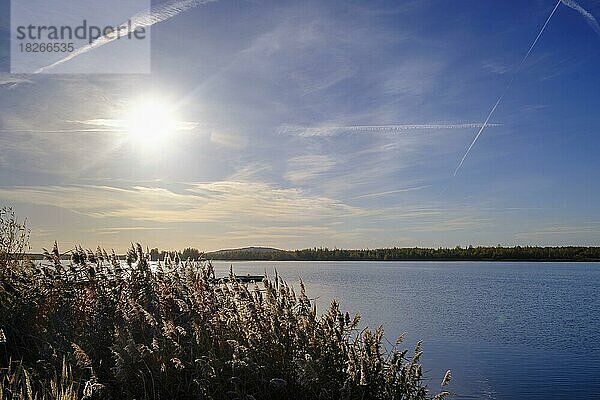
151 122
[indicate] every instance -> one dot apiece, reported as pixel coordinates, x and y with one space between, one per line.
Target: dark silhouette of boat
242 278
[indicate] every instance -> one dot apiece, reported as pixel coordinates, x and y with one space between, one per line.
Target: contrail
409 189
588 16
144 19
337 130
508 87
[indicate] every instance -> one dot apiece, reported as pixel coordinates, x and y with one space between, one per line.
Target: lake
506 330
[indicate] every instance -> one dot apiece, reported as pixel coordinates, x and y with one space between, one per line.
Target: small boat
250 278
243 278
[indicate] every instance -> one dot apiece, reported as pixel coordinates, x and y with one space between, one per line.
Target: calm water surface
506 330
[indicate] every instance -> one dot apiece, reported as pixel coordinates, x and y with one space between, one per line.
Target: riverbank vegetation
98 328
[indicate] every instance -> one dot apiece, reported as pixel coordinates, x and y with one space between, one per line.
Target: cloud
299 130
495 67
97 125
44 131
12 80
304 168
463 223
119 229
250 233
101 122
309 53
119 125
555 234
144 19
415 76
224 201
228 140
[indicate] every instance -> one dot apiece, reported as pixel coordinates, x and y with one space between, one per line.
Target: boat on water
243 278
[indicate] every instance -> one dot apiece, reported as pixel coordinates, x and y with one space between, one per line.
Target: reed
94 329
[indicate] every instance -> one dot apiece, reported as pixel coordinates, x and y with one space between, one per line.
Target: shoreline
416 260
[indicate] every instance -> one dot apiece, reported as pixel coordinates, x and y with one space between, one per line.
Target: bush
92 329
14 239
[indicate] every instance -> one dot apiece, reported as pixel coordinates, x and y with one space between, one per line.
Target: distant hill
252 249
246 253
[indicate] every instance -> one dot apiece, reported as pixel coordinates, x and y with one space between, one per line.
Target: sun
151 122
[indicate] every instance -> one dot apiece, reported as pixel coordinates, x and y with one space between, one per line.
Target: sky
320 123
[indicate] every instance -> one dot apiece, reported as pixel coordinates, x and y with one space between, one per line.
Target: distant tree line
189 253
480 253
494 253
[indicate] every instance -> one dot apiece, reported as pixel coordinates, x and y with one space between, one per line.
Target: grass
95 330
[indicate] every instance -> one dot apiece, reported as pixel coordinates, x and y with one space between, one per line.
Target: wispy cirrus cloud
119 229
495 67
307 167
308 131
96 125
562 233
228 140
12 80
44 131
250 233
119 125
223 201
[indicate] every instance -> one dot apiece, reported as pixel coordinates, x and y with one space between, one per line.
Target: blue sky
273 96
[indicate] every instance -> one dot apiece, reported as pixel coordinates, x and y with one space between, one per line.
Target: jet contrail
338 130
508 87
588 16
144 19
408 189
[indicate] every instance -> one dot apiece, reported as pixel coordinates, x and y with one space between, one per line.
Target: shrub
14 239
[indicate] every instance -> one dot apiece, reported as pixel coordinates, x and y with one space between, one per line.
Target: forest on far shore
495 253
